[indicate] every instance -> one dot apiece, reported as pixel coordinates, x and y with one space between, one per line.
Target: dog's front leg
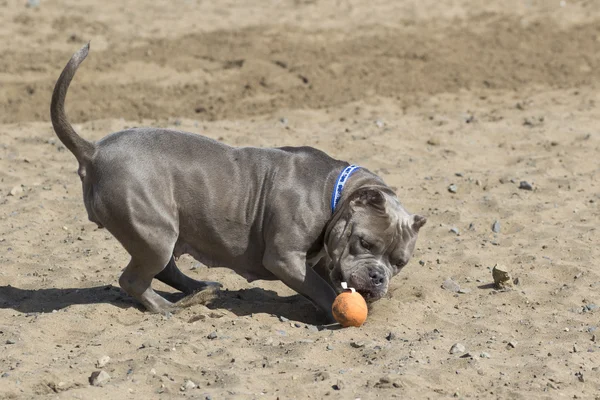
292 269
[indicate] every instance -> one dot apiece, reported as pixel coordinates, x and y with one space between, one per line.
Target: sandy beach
483 116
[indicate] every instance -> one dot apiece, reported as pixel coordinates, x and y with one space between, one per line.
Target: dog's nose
376 277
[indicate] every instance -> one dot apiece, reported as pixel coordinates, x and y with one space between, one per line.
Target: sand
428 94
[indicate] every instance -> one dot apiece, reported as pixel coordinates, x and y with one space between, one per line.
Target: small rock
391 336
433 141
339 385
579 376
533 121
197 317
464 291
484 355
501 277
312 328
496 227
525 185
455 231
329 347
17 190
451 286
32 3
386 382
296 325
575 348
357 345
322 376
57 386
99 378
212 335
10 341
512 344
5 375
188 385
594 338
147 345
591 307
380 123
457 348
453 188
283 319
102 361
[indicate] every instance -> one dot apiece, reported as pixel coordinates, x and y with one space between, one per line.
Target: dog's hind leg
173 277
149 237
136 280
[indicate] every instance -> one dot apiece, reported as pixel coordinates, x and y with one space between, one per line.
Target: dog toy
349 308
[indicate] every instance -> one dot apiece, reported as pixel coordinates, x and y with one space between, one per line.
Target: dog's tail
81 148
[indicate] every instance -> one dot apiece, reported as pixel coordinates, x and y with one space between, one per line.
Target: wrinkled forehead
395 210
393 224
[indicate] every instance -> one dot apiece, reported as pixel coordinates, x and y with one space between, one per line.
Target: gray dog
281 213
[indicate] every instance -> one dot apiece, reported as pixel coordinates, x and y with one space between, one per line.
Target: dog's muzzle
371 281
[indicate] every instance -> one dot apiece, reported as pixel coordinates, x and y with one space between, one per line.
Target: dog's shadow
257 300
239 302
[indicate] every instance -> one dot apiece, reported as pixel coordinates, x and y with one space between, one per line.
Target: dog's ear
368 197
417 222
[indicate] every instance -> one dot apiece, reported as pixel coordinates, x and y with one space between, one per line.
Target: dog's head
370 238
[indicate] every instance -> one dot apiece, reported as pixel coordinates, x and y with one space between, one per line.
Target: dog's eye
365 245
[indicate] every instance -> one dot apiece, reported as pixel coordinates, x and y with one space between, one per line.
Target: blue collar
339 185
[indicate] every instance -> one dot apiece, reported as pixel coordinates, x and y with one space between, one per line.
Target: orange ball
350 309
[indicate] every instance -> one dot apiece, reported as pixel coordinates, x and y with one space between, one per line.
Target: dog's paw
202 297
